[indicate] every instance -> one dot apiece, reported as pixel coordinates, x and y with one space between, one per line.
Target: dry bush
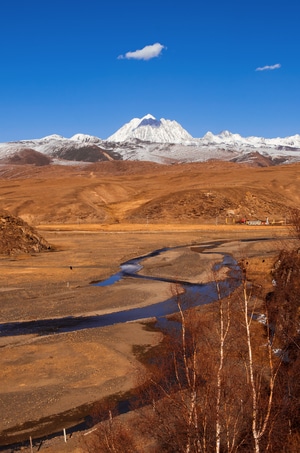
112 435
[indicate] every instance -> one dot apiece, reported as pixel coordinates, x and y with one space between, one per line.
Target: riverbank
47 375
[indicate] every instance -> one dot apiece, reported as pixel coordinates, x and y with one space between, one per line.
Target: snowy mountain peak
149 121
53 137
224 137
225 134
149 129
84 138
208 136
148 116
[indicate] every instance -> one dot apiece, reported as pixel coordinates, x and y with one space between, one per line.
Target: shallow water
194 295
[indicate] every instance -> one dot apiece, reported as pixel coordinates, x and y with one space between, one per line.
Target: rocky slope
16 236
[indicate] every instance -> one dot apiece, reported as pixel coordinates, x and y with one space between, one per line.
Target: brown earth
16 236
42 375
143 192
96 217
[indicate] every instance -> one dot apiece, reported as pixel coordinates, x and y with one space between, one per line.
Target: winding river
194 294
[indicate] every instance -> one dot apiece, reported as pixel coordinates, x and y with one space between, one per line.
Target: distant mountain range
149 139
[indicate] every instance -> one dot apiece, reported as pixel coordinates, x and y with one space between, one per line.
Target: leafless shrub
112 436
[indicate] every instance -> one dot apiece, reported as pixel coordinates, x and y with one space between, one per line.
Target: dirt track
45 375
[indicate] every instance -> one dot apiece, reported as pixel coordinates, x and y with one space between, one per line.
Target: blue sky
71 66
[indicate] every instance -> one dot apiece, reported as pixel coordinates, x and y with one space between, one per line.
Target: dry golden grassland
95 218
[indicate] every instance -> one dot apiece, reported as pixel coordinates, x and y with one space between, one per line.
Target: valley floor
44 375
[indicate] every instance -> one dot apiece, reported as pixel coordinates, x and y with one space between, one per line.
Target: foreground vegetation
222 382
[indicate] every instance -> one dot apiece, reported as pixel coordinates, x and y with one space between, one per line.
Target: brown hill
86 153
28 156
16 236
144 192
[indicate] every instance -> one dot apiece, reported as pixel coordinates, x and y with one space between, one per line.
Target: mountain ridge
160 141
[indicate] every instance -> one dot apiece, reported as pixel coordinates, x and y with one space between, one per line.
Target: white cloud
146 53
269 68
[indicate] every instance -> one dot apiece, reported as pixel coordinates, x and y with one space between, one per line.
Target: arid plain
96 216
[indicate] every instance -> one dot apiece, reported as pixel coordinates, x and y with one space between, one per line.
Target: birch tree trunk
260 416
224 328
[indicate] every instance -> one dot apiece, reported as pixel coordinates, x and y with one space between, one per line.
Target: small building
253 222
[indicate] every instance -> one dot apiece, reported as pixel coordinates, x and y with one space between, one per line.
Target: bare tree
284 309
211 387
224 328
197 397
260 413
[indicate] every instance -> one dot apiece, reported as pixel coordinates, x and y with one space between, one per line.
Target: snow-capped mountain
226 138
79 148
149 139
149 129
166 141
